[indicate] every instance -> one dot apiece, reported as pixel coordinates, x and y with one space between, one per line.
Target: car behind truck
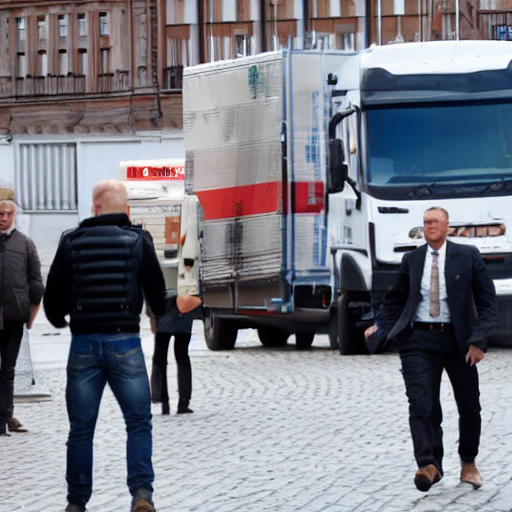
314 168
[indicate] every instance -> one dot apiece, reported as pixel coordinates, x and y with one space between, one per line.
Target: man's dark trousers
10 341
423 362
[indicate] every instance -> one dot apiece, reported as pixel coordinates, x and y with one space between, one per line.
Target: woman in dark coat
178 325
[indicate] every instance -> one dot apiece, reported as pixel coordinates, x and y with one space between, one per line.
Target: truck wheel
350 338
272 336
219 334
303 340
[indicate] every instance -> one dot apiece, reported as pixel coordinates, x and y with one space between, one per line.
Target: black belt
432 327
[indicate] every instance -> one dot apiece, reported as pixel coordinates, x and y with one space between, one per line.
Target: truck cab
428 125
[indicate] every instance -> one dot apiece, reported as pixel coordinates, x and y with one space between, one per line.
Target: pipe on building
263 12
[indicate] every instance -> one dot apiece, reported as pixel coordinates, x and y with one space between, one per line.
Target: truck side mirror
338 169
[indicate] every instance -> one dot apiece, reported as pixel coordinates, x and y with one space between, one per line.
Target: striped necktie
434 285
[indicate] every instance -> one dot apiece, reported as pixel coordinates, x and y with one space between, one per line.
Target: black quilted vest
105 292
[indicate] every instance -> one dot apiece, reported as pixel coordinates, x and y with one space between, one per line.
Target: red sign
151 172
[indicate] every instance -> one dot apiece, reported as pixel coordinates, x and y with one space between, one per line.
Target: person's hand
370 331
474 355
33 313
152 323
187 303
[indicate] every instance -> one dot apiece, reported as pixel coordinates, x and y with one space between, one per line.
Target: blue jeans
94 360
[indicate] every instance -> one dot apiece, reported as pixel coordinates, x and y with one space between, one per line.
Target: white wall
97 159
6 165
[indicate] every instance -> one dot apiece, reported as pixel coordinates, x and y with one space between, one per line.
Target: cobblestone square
272 430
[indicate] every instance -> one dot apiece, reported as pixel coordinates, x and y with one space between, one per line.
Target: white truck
314 169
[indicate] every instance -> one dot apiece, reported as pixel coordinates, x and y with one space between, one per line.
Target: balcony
114 82
173 77
5 86
50 85
55 85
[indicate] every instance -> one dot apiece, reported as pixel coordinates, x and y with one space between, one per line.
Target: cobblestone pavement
273 430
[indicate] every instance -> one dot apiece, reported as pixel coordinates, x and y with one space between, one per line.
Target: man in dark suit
440 320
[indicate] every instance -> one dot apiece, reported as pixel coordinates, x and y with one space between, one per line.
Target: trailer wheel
350 338
219 334
272 336
304 340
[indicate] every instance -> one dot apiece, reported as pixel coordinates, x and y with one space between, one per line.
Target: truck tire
350 338
304 340
219 333
272 336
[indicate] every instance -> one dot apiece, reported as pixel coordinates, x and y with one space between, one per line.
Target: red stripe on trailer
309 197
225 203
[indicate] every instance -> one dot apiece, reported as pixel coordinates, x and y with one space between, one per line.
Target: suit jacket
470 291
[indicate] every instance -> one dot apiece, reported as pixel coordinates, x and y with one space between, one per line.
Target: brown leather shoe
15 425
470 474
142 501
426 477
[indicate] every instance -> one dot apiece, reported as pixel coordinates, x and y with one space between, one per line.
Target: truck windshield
447 150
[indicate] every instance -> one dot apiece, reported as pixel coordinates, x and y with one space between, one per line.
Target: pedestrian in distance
101 272
178 323
21 291
439 315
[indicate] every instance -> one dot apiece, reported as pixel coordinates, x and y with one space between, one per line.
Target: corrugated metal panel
232 124
46 178
245 248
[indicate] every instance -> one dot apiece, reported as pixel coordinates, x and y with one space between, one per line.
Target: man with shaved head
101 274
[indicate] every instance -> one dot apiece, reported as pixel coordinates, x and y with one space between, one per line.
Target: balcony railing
5 86
63 84
114 82
50 84
173 77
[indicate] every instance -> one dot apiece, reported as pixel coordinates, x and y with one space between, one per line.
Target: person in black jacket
100 275
439 315
21 291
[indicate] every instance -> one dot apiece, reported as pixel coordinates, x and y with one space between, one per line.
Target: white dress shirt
423 310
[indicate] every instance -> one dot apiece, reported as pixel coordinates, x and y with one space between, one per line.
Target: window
103 24
63 25
20 25
178 52
105 60
21 65
63 62
46 177
82 25
241 45
42 63
83 62
41 28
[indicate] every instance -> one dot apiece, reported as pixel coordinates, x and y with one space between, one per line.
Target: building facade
87 84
